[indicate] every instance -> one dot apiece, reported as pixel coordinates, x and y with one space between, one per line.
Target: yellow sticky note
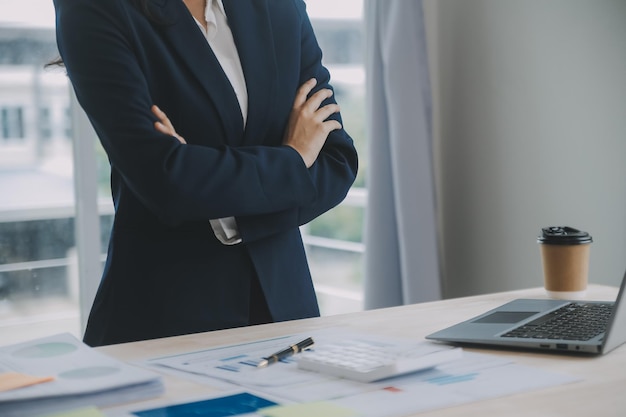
80 412
314 409
14 380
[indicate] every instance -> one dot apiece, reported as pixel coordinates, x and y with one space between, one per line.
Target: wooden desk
601 393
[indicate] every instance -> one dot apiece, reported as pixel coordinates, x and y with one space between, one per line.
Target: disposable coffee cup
565 260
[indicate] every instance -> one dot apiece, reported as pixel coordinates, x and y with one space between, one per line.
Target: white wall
530 99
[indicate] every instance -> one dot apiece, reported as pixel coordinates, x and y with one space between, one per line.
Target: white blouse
220 39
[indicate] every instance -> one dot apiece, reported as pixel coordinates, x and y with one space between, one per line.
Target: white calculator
366 361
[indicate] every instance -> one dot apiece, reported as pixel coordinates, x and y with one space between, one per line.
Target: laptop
591 327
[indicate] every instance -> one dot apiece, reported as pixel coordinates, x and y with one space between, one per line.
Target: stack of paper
59 373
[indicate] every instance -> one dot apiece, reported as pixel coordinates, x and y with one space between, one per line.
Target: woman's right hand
308 128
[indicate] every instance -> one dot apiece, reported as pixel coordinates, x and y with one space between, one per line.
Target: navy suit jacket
166 273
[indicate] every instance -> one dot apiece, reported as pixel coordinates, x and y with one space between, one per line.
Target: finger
180 138
158 112
326 111
160 127
162 116
331 125
315 101
303 92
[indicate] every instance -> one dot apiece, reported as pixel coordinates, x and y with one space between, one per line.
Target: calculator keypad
365 362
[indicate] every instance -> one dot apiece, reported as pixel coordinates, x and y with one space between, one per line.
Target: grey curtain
402 260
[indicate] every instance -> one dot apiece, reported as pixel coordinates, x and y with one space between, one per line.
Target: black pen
291 350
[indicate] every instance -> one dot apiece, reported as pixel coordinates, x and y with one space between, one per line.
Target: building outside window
12 121
40 283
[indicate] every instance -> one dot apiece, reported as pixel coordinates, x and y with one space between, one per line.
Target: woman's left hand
164 125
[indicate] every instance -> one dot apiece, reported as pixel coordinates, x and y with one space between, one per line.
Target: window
67 123
45 123
334 241
38 278
12 122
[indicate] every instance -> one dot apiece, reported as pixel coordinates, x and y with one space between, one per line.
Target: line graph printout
237 363
473 378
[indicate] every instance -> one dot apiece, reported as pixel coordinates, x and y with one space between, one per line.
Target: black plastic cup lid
557 235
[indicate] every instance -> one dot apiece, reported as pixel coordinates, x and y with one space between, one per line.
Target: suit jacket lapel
250 24
194 52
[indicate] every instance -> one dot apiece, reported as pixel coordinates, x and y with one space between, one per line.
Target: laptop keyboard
575 321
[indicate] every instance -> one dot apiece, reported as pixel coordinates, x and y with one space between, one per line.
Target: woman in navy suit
223 138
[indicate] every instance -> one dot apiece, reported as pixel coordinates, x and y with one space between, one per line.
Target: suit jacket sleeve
335 169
